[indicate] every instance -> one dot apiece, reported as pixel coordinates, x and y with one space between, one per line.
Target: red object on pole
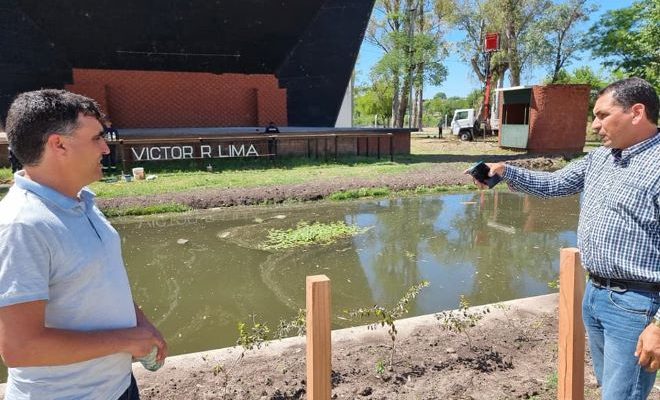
492 42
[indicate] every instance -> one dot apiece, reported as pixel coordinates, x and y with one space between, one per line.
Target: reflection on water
488 246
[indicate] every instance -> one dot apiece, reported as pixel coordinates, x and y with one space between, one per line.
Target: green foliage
521 35
437 107
410 34
146 210
373 101
380 367
359 193
5 174
388 316
552 380
305 234
461 320
561 39
298 325
253 336
628 40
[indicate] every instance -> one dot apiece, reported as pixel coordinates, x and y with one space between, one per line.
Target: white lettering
176 152
206 150
166 150
220 152
187 152
252 151
135 154
151 153
237 151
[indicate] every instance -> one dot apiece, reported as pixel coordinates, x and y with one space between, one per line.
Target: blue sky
460 80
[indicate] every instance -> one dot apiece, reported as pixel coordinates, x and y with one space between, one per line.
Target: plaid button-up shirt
619 228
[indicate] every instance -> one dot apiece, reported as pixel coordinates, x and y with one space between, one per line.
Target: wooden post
571 328
318 338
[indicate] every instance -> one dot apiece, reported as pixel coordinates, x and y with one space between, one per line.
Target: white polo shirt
64 251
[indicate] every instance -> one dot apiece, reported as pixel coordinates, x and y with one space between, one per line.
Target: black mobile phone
480 172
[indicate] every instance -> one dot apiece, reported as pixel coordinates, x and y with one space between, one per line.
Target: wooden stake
571 328
318 338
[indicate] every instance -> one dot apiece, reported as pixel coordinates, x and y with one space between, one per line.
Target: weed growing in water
388 316
360 193
305 234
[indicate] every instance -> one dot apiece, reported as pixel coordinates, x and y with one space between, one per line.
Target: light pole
411 23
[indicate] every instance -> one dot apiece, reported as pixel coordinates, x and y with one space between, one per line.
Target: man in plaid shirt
618 235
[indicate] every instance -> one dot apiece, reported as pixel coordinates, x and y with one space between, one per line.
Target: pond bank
439 177
513 356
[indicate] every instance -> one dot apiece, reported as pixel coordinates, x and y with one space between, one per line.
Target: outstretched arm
567 181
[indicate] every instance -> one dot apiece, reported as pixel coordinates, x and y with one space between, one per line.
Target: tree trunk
395 104
419 107
403 102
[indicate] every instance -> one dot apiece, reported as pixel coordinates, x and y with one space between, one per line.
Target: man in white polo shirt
68 325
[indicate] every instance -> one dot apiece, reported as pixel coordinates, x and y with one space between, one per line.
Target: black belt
622 285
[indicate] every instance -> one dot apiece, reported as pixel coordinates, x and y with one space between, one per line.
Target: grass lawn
245 173
248 173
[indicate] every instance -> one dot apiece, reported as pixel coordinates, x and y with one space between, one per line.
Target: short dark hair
628 92
34 116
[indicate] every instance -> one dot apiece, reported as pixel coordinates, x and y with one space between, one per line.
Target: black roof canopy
311 45
247 36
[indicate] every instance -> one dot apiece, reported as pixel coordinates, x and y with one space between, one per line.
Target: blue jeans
613 321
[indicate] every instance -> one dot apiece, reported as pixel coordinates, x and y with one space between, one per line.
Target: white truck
467 123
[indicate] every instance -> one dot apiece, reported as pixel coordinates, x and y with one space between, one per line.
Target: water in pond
197 276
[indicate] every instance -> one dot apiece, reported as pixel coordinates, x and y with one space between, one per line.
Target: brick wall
558 118
155 99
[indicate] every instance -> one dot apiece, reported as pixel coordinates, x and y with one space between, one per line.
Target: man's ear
639 113
56 144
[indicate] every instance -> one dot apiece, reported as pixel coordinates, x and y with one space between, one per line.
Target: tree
373 101
562 40
409 34
521 44
521 35
628 40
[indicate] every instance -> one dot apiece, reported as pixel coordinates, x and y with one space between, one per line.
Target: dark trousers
132 393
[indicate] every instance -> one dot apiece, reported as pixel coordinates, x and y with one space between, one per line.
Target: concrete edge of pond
194 362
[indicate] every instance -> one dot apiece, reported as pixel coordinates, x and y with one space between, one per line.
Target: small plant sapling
388 316
461 320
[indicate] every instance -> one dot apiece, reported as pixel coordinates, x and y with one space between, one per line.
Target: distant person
15 163
111 134
440 129
618 235
271 128
69 328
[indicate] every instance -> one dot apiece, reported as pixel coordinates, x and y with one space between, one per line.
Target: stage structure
192 63
199 71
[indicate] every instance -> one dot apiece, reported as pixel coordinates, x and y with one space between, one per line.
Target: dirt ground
511 354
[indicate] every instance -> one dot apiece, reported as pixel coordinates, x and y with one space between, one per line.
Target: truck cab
466 125
462 124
